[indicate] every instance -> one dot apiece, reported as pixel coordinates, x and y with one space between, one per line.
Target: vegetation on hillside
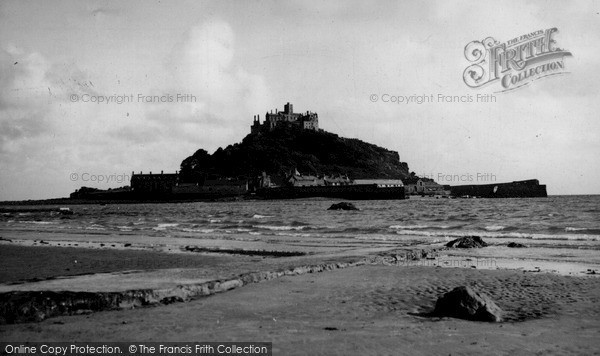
285 148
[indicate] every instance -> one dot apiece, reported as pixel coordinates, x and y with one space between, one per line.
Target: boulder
465 303
343 206
467 242
65 211
515 245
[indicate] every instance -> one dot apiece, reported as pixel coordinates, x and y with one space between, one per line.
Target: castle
308 121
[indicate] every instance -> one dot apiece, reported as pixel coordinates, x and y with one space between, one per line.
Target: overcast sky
241 58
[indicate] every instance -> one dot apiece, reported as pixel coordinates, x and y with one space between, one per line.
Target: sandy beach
364 309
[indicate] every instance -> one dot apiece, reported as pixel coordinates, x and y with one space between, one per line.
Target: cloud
42 130
221 95
23 96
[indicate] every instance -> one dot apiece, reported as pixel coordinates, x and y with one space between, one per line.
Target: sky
178 76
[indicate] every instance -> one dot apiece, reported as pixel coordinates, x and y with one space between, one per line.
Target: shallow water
567 224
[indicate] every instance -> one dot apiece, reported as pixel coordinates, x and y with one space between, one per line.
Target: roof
411 180
379 181
431 183
155 176
299 178
337 179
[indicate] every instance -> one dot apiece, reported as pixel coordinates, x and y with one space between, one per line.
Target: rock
467 242
343 206
465 303
515 245
65 211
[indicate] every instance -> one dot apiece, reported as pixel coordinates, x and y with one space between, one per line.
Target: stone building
169 184
423 186
305 121
153 183
296 179
380 183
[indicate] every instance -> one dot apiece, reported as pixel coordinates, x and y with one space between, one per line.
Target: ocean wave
258 216
419 227
499 235
293 234
203 231
410 227
402 238
162 227
95 227
234 231
277 228
39 222
582 229
349 230
495 227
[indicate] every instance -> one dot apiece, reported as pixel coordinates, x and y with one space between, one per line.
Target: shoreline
369 308
538 258
375 299
114 273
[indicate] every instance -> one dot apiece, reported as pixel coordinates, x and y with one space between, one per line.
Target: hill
285 148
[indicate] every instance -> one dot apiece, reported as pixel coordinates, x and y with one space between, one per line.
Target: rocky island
287 156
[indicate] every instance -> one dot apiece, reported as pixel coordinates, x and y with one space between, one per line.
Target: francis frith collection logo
514 63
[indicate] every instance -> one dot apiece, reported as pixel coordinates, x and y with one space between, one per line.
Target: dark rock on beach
343 206
467 242
65 211
515 245
465 303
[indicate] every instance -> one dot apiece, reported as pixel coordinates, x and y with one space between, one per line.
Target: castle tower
255 128
288 108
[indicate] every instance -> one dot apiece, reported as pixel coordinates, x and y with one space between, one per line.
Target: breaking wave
280 228
496 235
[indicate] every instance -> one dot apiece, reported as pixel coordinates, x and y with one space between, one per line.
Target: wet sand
22 263
366 309
360 310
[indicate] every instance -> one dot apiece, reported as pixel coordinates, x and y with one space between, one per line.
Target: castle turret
255 128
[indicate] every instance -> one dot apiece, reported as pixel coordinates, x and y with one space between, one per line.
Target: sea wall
352 192
518 189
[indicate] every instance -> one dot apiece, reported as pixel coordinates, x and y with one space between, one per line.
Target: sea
559 228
